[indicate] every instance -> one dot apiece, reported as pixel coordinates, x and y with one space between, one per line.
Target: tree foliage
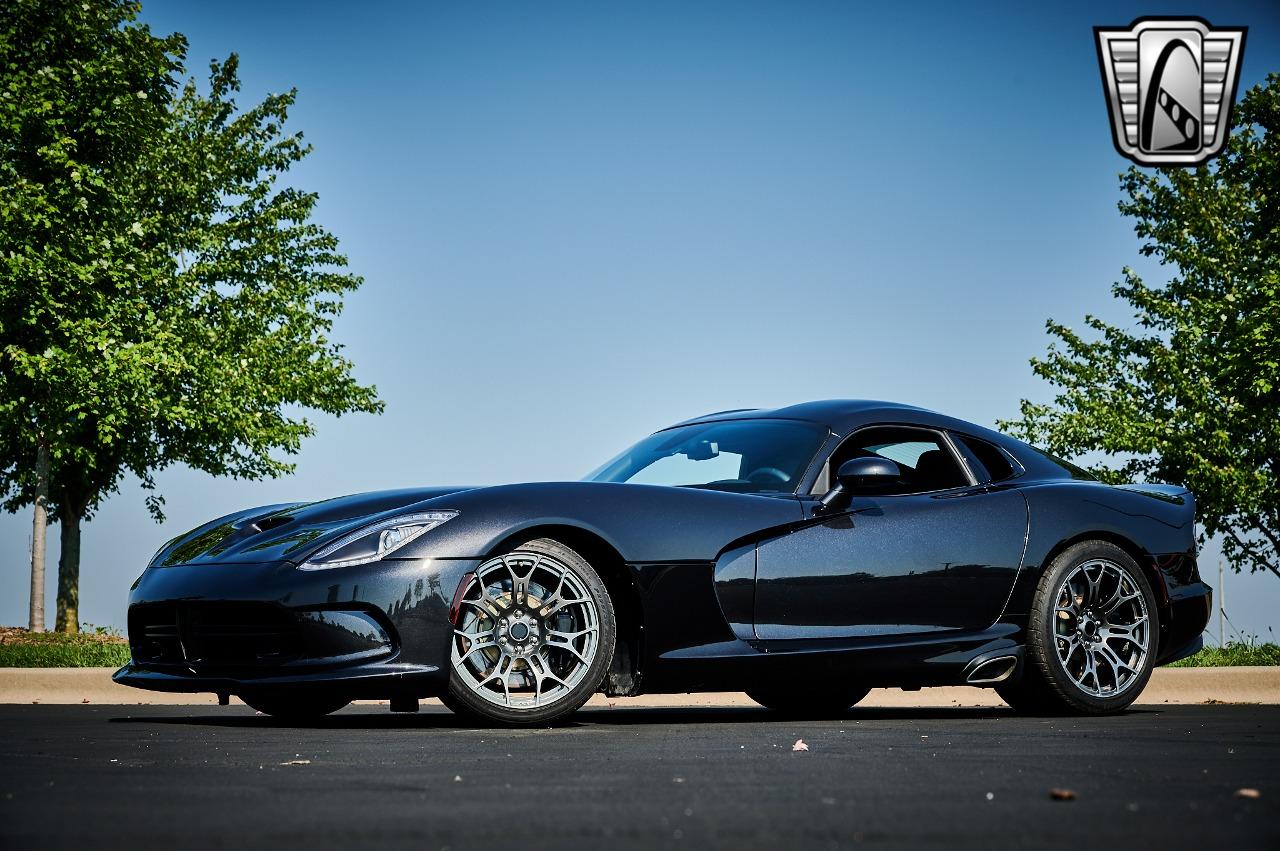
1190 392
165 296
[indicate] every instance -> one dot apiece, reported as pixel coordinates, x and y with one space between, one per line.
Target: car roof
842 416
833 413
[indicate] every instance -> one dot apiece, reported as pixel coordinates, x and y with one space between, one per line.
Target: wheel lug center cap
518 633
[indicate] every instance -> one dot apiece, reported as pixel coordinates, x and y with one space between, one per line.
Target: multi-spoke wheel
1102 629
533 636
1092 636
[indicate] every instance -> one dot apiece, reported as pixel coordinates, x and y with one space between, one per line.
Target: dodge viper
803 555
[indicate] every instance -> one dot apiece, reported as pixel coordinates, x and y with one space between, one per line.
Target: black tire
1047 687
295 708
807 703
465 702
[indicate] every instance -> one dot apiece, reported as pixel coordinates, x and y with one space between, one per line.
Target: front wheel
808 703
1092 637
533 639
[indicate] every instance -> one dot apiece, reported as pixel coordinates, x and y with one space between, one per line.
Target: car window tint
746 456
990 457
680 471
926 462
908 452
1076 472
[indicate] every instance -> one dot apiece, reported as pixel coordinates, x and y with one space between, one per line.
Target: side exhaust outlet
991 671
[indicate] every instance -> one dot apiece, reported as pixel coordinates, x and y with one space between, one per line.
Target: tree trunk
39 528
69 569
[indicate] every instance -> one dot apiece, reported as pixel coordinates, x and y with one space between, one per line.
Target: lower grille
213 634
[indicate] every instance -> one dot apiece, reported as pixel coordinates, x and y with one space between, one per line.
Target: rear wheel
808 703
533 639
1092 637
295 708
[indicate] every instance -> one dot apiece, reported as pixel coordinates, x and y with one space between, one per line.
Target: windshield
747 456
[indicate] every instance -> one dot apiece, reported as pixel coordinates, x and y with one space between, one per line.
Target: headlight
377 541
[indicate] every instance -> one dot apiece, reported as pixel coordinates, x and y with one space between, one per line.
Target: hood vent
267 523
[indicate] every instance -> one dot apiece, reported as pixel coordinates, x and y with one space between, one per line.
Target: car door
938 551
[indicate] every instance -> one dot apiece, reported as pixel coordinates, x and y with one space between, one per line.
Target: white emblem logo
1170 84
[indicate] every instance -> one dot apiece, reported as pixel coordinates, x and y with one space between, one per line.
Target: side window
926 462
997 463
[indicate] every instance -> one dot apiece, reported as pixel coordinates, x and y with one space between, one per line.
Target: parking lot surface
199 776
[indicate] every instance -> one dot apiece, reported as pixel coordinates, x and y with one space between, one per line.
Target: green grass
1232 655
97 649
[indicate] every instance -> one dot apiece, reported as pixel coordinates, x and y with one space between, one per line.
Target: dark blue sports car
803 555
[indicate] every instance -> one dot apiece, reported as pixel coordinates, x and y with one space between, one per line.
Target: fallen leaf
800 745
297 762
1248 793
1062 794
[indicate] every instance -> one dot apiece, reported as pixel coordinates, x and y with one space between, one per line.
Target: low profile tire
296 708
533 639
1092 637
803 703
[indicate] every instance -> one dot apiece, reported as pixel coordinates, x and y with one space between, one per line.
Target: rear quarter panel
1155 526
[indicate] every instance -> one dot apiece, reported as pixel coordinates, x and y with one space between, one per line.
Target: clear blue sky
581 222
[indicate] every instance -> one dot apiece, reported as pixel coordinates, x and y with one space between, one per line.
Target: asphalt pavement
194 777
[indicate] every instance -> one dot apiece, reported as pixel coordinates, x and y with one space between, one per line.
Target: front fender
644 523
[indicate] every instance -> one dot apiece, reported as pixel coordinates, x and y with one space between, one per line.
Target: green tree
164 298
1190 392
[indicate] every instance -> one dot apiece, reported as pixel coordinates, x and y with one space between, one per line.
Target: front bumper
380 630
379 681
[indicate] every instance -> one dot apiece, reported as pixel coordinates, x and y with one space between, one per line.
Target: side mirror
864 473
860 474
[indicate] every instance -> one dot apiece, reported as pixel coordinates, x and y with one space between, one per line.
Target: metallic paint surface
893 565
732 590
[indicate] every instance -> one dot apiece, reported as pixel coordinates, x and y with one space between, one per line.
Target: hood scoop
267 523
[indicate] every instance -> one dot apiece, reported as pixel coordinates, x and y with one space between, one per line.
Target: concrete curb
1167 686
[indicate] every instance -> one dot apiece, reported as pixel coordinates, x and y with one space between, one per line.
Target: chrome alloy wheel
527 631
1102 629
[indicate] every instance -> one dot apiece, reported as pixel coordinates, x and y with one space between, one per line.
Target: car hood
287 531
